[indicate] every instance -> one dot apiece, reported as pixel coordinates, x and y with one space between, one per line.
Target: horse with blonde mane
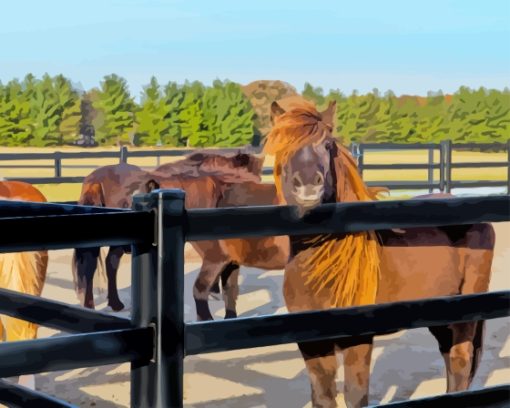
204 177
23 272
341 270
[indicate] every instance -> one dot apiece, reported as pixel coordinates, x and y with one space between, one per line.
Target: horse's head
304 147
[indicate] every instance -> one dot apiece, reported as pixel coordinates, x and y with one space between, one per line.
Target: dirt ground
404 365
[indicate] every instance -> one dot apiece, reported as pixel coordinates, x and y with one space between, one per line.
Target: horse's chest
301 243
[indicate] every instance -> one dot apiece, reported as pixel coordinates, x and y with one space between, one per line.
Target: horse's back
111 185
435 261
19 190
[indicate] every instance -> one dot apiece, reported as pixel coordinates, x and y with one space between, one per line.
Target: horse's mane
349 266
233 168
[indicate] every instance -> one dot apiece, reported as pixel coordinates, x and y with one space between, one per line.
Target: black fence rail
444 163
156 339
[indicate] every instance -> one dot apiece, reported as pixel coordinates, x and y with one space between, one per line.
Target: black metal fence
444 164
156 339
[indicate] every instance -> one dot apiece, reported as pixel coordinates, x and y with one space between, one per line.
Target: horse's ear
151 185
276 110
328 116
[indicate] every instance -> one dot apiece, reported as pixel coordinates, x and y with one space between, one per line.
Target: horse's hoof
116 305
230 314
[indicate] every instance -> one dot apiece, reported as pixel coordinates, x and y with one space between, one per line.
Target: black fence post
123 154
170 298
431 169
58 164
360 154
446 166
144 309
508 172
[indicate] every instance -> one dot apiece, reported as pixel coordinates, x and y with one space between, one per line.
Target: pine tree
151 118
70 113
173 98
115 123
190 114
14 118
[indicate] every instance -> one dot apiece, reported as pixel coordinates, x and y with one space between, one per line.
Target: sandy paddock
404 365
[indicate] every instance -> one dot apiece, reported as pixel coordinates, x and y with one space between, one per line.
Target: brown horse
330 271
23 272
204 176
223 258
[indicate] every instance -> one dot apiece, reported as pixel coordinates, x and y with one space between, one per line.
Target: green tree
115 124
153 124
173 96
190 114
69 101
227 117
14 118
316 95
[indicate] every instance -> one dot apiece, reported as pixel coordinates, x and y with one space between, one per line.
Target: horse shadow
74 390
405 365
412 366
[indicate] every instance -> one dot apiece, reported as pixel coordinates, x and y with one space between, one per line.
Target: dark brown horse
204 177
330 271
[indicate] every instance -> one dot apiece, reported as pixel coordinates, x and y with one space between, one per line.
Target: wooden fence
445 165
156 339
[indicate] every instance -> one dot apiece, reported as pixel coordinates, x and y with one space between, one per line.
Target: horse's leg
84 268
215 289
230 284
463 356
206 277
321 364
467 338
444 337
15 330
112 265
357 355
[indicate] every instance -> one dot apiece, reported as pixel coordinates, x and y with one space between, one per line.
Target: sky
406 46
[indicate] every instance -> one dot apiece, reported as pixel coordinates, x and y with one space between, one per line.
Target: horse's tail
376 192
23 272
92 194
101 281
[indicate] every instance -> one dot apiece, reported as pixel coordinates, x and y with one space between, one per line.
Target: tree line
467 116
51 112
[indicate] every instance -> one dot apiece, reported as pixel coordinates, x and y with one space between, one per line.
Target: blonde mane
347 267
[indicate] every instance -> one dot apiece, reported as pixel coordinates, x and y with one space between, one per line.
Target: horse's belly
264 253
409 273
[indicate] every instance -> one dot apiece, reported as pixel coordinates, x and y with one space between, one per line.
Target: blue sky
406 46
